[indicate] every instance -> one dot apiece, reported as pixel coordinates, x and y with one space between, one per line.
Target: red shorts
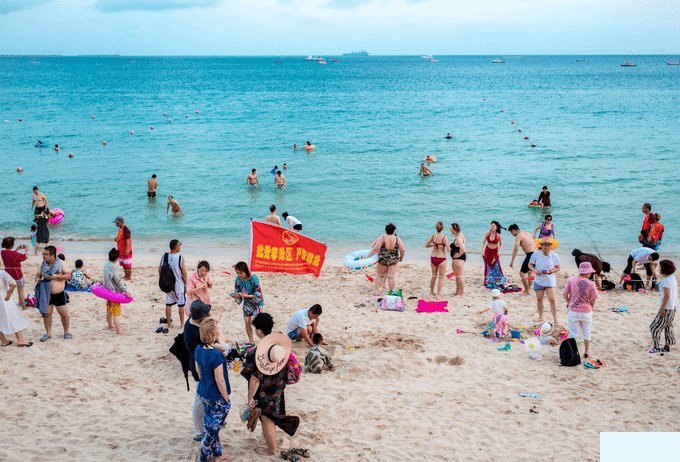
126 262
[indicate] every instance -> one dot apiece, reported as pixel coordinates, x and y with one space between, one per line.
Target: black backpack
569 353
179 349
166 280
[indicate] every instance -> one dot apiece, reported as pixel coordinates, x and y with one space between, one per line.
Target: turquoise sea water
607 141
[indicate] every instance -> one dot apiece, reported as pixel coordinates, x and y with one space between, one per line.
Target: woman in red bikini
440 245
491 249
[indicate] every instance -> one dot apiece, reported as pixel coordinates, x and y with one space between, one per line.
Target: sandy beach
414 390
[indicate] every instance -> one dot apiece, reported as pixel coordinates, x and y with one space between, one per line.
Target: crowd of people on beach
268 362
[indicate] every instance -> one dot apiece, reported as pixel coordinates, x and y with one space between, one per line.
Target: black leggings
629 267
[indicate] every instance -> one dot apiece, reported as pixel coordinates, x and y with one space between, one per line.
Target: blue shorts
538 287
293 335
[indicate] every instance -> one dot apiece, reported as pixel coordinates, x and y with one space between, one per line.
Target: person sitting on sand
252 180
668 302
317 358
524 240
279 180
580 294
546 229
430 158
304 324
544 197
500 315
425 171
113 283
80 280
264 369
309 147
176 208
273 217
544 338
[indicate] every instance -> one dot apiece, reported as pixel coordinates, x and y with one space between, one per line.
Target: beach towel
432 307
42 296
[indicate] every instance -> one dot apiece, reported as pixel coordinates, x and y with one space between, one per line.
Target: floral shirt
251 306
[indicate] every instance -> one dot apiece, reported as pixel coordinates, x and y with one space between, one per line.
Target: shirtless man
308 146
39 203
425 171
55 271
279 180
176 208
251 180
273 217
152 185
523 239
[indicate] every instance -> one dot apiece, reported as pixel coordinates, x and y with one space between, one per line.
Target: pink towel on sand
432 307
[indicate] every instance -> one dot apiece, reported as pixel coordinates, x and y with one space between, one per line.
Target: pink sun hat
585 268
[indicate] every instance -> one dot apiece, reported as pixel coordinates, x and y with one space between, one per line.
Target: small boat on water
313 58
629 63
498 61
428 57
673 62
322 61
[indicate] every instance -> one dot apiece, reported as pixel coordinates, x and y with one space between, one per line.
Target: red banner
280 250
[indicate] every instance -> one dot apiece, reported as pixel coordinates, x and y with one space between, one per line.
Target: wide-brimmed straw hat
546 240
585 268
272 353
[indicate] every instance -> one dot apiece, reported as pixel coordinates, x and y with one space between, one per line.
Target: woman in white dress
11 321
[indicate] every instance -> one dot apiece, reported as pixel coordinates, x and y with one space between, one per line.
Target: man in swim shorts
279 180
176 208
56 272
251 180
39 203
524 240
124 245
152 185
273 217
425 171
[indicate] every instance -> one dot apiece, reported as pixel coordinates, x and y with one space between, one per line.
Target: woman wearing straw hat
545 264
266 372
580 294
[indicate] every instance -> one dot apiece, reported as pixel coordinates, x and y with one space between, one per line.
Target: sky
331 27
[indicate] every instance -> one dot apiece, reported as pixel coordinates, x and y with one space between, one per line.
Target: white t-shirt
299 319
671 283
545 263
292 220
497 306
641 254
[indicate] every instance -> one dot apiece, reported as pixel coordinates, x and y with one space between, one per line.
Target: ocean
606 141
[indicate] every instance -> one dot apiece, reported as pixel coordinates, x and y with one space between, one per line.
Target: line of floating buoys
94 117
151 127
71 155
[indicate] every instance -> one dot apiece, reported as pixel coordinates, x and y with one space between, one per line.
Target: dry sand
415 390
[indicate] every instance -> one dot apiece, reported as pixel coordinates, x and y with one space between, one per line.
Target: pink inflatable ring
58 216
101 292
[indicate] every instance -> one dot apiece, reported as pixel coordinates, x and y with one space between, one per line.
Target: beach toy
105 142
621 309
460 331
515 333
359 260
507 347
101 292
370 278
19 169
450 275
533 347
58 216
554 243
535 206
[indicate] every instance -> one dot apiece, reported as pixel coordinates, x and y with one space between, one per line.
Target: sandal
25 344
288 455
299 452
163 321
591 365
598 362
253 417
165 330
654 350
159 330
9 342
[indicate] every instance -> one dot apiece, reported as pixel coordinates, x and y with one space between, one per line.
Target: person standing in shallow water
151 184
544 197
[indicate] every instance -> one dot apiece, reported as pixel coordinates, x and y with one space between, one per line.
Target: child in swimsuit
500 315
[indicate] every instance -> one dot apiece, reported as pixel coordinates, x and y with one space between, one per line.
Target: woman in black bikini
439 244
458 256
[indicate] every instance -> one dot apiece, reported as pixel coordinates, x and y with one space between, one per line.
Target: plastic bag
533 347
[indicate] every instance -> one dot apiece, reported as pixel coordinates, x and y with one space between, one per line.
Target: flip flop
26 345
159 330
165 330
9 342
590 365
162 321
299 452
288 455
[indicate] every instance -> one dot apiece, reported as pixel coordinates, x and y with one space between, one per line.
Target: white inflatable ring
101 292
359 260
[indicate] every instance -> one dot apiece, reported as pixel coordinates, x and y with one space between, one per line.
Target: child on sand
80 280
113 283
317 358
34 238
544 338
500 315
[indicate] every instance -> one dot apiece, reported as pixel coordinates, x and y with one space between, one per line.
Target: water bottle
236 365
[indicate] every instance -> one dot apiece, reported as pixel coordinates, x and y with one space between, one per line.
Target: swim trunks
525 264
297 227
59 299
151 193
293 335
113 308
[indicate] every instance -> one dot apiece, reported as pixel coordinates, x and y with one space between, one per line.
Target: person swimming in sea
425 171
252 180
279 180
309 147
448 136
430 158
176 208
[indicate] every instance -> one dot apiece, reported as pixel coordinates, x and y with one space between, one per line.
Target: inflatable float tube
555 243
359 260
533 206
101 292
58 216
